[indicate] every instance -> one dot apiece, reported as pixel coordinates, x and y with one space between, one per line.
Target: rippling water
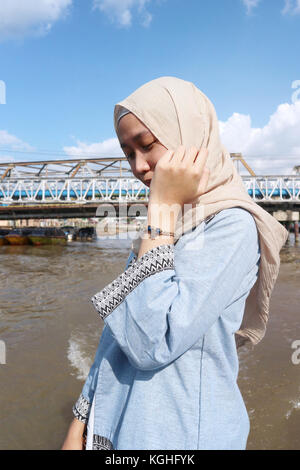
51 332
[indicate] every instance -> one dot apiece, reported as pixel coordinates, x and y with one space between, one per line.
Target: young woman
195 287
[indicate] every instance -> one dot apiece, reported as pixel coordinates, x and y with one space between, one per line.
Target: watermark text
170 218
2 92
296 354
2 352
296 94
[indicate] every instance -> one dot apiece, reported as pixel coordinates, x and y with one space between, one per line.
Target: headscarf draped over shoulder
178 113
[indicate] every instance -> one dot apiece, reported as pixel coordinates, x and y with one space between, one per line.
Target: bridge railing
273 187
82 190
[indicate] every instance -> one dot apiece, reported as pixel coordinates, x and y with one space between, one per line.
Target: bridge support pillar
296 231
286 216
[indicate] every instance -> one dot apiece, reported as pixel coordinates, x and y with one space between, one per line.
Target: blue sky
65 64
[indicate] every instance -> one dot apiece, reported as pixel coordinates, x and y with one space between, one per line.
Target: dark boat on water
19 236
3 232
70 232
86 233
48 236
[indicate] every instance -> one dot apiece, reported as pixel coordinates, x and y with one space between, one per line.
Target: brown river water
51 331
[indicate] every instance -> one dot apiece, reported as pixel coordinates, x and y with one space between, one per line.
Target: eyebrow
136 137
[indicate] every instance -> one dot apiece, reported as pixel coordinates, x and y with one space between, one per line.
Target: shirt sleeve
167 300
81 408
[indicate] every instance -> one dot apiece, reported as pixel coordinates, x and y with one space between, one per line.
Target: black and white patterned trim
101 443
153 261
81 409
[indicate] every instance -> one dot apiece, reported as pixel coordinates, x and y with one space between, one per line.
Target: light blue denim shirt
165 371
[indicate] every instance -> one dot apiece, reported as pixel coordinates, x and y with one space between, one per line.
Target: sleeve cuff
81 409
153 261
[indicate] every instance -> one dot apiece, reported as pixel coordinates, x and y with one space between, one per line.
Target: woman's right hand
74 439
180 176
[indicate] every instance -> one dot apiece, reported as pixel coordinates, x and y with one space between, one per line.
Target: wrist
153 233
77 427
163 215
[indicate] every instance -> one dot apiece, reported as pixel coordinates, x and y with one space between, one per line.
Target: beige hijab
177 112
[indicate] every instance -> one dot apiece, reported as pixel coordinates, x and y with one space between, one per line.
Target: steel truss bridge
72 188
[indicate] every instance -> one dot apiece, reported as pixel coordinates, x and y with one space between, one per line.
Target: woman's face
140 146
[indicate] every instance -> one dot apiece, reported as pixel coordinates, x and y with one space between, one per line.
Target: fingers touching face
143 150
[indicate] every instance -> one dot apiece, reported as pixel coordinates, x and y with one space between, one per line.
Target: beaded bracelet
156 232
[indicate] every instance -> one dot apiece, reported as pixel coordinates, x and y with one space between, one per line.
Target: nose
141 164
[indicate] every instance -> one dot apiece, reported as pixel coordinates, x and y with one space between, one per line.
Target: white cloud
8 143
20 18
107 148
272 149
13 142
291 6
120 11
250 4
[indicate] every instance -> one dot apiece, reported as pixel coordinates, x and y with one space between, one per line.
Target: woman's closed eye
144 147
149 146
